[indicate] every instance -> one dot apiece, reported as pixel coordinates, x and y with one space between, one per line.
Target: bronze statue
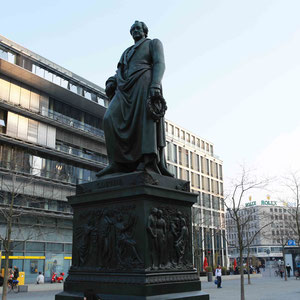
133 123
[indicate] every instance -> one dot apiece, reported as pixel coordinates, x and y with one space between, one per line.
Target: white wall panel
12 124
23 128
14 95
42 134
4 89
51 136
25 98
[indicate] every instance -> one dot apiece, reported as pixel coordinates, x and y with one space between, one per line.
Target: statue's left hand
155 92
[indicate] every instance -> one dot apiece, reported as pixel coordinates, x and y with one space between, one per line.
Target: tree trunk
248 267
284 266
242 276
198 261
5 280
7 248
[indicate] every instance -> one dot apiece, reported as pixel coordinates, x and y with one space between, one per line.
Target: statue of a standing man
134 140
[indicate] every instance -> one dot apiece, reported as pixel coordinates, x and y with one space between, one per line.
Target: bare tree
282 239
10 212
291 200
17 193
240 218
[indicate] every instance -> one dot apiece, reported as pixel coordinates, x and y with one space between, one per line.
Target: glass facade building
192 158
51 139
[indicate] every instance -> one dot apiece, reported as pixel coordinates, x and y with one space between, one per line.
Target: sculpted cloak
129 131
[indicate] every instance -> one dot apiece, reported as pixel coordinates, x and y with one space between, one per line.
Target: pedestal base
196 295
132 239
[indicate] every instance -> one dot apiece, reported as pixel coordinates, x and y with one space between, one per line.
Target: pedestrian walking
288 269
257 269
218 274
281 271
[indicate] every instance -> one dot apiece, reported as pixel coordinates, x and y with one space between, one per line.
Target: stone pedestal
132 239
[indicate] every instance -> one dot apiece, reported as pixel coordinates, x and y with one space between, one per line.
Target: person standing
218 274
288 269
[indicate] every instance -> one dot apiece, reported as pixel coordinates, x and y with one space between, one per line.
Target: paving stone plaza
264 288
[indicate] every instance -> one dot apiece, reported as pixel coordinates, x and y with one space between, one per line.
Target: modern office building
50 140
192 158
268 224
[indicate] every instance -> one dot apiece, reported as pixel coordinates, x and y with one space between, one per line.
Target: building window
198 162
186 158
182 134
202 145
188 138
187 175
198 181
180 155
191 160
192 179
207 166
202 164
220 172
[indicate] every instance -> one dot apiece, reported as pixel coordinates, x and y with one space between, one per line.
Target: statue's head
139 30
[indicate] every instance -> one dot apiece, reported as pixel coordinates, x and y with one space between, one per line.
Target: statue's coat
129 130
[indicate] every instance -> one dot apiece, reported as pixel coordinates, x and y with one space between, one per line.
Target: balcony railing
72 122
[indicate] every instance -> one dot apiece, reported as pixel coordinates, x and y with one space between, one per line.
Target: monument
132 227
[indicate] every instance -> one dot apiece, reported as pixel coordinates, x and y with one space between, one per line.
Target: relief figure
152 234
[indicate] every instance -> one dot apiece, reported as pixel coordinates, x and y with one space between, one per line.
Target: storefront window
16 245
33 266
35 246
68 248
54 264
57 247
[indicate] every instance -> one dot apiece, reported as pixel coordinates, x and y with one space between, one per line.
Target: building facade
50 140
192 158
269 226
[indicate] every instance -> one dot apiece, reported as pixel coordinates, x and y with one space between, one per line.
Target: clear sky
233 66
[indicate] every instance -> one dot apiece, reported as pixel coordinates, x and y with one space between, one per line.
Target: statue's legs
149 164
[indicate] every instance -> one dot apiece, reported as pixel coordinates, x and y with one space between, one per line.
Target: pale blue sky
233 66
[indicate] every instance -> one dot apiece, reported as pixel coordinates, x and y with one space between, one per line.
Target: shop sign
268 202
249 204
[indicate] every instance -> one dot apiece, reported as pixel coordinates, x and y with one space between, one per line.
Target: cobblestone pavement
265 288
